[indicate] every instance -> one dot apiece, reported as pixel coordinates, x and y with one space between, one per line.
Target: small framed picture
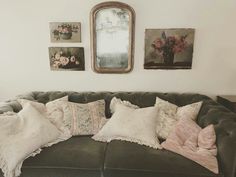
67 32
66 58
169 48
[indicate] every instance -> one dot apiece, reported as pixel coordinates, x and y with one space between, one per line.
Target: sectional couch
80 156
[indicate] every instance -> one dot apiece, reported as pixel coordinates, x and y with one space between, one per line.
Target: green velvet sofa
81 156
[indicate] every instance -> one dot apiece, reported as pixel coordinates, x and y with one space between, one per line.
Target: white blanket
23 135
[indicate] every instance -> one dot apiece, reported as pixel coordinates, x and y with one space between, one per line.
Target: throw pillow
73 118
129 124
84 119
53 111
56 115
21 136
169 114
40 106
116 101
194 143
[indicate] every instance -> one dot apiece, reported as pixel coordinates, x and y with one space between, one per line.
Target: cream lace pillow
129 124
56 115
84 119
169 114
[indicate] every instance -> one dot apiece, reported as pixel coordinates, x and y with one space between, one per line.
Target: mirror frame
94 11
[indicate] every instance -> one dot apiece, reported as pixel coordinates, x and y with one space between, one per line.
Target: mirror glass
112 38
112 31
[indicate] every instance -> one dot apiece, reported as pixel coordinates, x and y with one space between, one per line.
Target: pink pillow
194 143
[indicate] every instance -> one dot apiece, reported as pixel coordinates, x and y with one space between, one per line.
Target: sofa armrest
42 97
7 106
225 126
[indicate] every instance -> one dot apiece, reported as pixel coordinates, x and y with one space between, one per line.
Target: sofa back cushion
141 99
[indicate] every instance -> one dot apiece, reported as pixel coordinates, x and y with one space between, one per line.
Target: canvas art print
169 48
66 58
65 32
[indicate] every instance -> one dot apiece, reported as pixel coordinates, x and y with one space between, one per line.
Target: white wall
24 42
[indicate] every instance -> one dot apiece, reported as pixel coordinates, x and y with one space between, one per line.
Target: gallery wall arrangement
112 28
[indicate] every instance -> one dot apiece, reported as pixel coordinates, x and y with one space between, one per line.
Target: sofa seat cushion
132 160
78 156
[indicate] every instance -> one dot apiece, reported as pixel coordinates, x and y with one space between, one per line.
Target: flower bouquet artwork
66 58
65 32
169 48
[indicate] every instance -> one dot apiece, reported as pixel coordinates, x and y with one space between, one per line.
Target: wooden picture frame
112 37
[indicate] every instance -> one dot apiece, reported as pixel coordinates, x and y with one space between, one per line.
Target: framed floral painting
168 48
65 32
66 58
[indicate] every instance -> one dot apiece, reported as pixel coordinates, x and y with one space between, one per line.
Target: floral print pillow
170 114
84 119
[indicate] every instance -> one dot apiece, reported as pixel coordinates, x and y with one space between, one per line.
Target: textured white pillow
169 114
40 106
21 136
116 101
129 124
55 114
53 111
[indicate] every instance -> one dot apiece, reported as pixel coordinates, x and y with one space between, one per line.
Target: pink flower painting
66 58
169 48
65 32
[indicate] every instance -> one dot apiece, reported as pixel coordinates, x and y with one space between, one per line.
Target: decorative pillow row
167 116
72 118
86 119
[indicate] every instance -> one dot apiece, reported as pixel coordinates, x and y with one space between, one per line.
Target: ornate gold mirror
112 37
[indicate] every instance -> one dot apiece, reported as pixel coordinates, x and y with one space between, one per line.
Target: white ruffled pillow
21 136
169 114
115 101
129 124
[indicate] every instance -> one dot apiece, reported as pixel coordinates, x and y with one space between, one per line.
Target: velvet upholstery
78 156
140 161
82 156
